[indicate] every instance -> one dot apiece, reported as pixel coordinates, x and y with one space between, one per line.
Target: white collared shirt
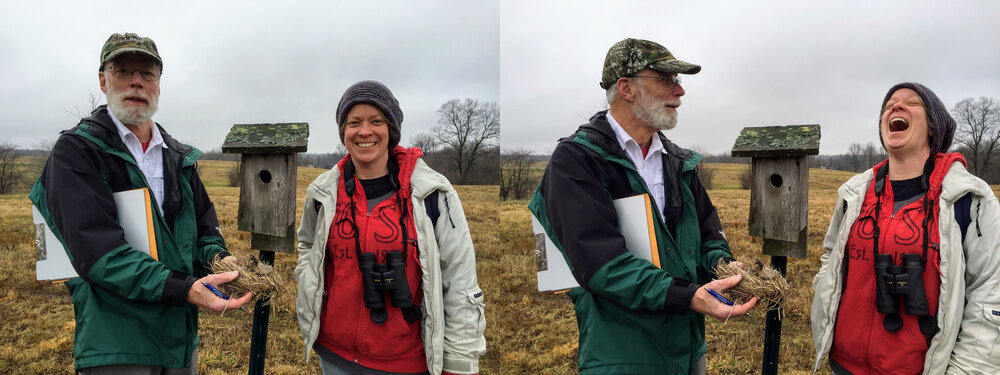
150 162
649 167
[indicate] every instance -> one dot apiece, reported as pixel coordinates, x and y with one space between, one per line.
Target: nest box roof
777 141
267 138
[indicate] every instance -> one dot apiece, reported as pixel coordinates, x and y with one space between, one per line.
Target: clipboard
635 218
135 215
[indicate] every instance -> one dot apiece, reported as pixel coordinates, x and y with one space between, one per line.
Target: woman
412 304
899 290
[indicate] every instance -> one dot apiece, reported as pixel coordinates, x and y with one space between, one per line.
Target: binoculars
905 280
379 278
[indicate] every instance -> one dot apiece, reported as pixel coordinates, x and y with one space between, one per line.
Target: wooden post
779 204
267 203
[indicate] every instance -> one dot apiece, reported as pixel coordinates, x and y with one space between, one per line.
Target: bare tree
856 152
872 155
978 130
426 142
8 167
746 177
36 163
235 175
339 151
470 129
705 175
516 176
93 101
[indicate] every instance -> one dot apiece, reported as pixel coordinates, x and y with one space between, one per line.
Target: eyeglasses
121 72
670 82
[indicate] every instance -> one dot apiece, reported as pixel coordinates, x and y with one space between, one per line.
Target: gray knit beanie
939 121
376 94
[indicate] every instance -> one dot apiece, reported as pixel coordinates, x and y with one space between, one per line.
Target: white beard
654 112
132 115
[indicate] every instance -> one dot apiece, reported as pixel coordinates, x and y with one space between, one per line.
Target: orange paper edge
149 226
653 250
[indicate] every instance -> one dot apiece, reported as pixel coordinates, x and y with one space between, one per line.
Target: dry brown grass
254 276
758 280
36 336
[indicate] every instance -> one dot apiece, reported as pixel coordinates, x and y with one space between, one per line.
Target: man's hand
202 297
707 304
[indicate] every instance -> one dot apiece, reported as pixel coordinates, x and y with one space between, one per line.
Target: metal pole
772 331
261 315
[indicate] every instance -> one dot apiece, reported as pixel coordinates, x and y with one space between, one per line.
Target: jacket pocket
475 298
993 316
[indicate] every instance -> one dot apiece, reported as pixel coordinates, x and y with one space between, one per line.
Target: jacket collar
949 177
415 176
101 126
598 131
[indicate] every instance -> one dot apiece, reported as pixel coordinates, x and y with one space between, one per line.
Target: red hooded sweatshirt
861 344
346 328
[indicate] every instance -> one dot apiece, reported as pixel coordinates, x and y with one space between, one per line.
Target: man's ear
626 89
100 78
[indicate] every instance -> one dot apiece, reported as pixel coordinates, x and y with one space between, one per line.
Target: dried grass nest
766 283
256 277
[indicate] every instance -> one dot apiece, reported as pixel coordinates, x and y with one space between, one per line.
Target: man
134 314
636 318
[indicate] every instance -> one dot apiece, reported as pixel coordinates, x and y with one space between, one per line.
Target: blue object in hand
224 296
712 292
722 299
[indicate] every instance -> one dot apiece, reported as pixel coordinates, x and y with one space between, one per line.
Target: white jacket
969 304
452 308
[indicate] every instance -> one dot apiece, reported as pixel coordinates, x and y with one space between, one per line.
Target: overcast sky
234 62
763 63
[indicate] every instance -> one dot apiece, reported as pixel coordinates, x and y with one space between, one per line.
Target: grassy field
542 336
37 330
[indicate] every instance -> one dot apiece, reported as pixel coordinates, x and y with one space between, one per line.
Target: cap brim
675 66
124 50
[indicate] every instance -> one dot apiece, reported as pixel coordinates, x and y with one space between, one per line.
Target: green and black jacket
130 308
633 317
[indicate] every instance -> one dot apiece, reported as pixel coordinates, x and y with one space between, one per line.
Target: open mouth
366 144
897 124
136 99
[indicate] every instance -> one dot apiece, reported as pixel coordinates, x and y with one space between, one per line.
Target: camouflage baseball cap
629 56
118 44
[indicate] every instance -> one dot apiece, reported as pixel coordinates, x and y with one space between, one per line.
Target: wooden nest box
779 192
267 177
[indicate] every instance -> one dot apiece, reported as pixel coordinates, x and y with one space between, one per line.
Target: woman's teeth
898 124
